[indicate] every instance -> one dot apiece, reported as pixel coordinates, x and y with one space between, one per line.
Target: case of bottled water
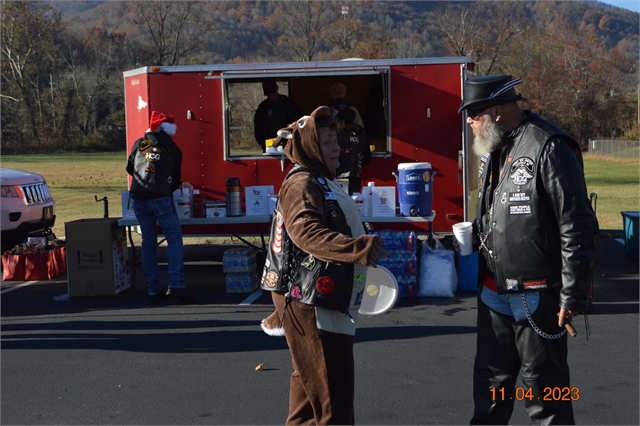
402 261
241 282
407 285
398 240
239 259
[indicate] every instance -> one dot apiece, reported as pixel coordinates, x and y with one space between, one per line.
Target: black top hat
490 90
269 86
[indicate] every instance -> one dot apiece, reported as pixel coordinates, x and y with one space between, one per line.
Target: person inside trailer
354 146
339 91
274 113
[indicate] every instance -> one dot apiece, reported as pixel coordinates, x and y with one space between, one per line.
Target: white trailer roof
288 68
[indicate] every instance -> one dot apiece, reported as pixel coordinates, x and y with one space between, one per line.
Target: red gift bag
60 254
13 267
39 266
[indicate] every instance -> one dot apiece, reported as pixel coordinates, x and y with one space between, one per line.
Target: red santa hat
162 121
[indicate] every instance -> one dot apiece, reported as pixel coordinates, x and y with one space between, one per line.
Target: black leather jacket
537 229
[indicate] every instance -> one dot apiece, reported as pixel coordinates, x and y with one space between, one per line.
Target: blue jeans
163 211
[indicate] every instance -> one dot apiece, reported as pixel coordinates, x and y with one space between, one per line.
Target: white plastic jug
184 205
359 200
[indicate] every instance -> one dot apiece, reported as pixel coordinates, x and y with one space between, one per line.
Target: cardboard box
383 201
257 199
97 257
215 209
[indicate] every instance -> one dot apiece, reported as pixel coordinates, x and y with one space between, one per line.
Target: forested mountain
62 61
241 29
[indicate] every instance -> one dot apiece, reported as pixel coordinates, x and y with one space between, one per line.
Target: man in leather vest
154 165
537 237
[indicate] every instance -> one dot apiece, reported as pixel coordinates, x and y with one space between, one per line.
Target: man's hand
456 245
566 316
377 251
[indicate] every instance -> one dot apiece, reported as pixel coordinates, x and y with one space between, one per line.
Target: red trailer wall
426 127
136 91
200 137
433 137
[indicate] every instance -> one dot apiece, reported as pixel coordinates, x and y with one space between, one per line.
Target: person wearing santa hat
154 164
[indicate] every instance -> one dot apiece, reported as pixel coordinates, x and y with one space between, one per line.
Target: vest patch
296 293
330 196
325 285
521 209
535 284
276 246
308 262
521 171
483 161
519 196
271 279
512 283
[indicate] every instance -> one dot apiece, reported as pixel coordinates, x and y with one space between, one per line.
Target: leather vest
299 275
518 228
153 168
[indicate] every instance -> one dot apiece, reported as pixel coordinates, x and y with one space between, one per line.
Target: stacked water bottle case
402 261
240 266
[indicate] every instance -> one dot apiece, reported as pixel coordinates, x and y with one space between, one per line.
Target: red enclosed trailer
409 108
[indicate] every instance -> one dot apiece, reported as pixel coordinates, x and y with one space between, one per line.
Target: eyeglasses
474 113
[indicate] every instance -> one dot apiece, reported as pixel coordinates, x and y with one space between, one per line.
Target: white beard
487 138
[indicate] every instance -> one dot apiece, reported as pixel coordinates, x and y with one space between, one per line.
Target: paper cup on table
464 234
380 292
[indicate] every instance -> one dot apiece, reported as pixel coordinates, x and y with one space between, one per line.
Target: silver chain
483 239
535 327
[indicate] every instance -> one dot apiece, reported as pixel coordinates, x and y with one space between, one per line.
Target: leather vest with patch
521 247
153 168
299 275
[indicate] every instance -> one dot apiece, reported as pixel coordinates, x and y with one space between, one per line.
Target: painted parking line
17 287
252 298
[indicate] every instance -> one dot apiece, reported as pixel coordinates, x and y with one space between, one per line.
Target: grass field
76 179
617 185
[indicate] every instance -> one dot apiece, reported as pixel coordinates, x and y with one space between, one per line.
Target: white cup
463 232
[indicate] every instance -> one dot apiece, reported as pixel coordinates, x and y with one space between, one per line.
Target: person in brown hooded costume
311 206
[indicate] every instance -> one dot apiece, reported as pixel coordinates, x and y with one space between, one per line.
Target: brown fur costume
322 384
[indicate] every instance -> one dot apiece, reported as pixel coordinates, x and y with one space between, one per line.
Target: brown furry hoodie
302 200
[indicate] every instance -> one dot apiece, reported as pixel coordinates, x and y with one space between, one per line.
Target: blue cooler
415 189
468 272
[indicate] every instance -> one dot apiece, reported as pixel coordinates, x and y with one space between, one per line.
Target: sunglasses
474 113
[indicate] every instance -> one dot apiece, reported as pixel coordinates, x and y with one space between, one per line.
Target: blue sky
633 5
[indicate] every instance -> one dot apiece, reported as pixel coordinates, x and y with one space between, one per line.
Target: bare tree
575 82
344 34
176 29
300 28
481 30
94 60
30 32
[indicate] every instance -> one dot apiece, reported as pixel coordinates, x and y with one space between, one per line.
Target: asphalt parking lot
125 360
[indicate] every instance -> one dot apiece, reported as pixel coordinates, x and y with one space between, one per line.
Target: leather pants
504 349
